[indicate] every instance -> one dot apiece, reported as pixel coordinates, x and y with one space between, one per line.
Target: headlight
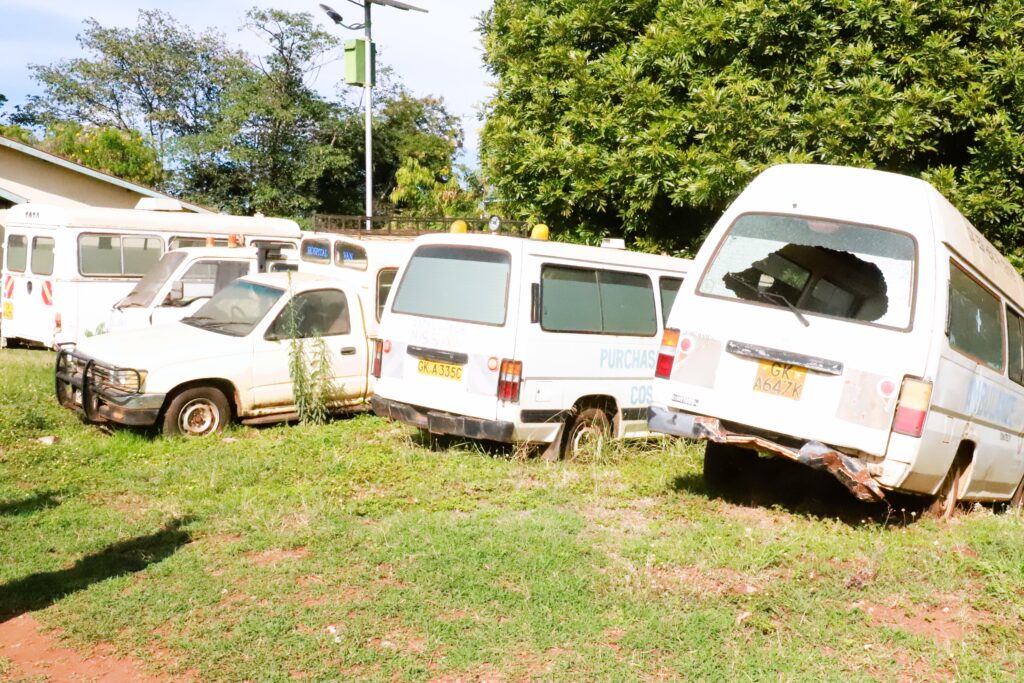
123 379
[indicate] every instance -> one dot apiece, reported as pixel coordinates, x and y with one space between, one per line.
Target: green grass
350 552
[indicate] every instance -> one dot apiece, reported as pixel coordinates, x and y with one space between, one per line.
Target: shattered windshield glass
816 266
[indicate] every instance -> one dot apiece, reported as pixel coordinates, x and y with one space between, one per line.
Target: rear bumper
438 422
80 391
851 471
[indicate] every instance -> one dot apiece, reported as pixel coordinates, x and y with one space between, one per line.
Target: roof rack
403 226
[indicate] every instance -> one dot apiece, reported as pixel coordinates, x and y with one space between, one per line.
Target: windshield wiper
769 296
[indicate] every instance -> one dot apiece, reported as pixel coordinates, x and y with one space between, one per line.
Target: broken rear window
817 266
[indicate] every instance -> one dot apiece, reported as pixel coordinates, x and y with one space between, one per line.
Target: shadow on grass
800 490
39 591
43 500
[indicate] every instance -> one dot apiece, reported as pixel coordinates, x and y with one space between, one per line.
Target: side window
1015 345
316 251
975 325
385 278
42 256
321 313
117 254
669 287
597 301
350 256
17 253
179 242
203 279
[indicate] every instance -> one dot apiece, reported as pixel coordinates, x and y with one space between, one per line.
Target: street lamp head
335 17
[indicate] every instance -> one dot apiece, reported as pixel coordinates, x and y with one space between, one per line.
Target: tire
587 436
949 491
198 411
726 465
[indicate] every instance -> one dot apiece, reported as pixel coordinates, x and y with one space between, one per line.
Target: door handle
348 351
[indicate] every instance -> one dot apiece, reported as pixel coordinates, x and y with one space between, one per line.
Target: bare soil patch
275 555
34 654
947 621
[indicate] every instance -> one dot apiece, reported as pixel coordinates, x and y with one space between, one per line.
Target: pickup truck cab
185 279
229 360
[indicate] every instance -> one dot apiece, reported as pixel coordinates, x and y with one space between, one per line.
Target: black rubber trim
438 422
634 413
822 365
438 355
542 416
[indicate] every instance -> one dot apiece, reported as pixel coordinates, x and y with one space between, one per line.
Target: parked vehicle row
847 319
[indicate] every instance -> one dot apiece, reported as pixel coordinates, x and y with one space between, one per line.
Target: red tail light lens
912 408
667 353
378 356
510 378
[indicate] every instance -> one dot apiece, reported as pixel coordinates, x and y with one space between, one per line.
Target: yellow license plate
780 379
432 368
8 310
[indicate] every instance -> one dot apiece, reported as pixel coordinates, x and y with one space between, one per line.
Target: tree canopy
235 131
645 118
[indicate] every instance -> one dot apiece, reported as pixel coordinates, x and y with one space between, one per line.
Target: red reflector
667 353
378 356
909 421
57 322
509 380
912 409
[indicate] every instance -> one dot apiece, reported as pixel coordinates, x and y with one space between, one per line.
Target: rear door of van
452 320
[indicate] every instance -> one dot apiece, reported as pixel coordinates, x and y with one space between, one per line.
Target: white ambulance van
854 321
370 258
65 267
185 279
524 340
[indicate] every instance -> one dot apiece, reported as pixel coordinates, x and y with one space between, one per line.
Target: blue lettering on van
347 256
993 404
628 359
641 395
317 252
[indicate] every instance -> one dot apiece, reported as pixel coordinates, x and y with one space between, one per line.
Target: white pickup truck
185 279
227 361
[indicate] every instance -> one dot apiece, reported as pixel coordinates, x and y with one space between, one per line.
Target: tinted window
17 253
184 242
1015 346
349 256
316 251
819 266
118 254
236 309
975 326
669 289
42 256
321 313
597 301
385 278
455 283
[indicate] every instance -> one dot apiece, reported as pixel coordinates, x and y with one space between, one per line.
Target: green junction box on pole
355 62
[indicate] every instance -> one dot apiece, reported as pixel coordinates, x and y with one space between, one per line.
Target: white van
372 259
523 340
65 267
185 279
851 320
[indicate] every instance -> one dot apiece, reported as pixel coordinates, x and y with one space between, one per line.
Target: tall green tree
646 117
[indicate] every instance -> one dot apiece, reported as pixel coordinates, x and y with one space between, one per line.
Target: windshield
236 309
816 266
467 284
146 289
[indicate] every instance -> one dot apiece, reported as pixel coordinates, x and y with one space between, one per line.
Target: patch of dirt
386 577
947 621
631 519
718 581
34 654
402 640
275 555
757 517
484 673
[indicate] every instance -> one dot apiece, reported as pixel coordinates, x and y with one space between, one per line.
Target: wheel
196 412
949 491
725 464
587 436
1017 499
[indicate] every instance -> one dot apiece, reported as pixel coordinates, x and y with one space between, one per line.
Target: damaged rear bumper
851 471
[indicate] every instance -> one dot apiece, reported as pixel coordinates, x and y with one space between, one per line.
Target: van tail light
667 353
510 377
57 323
378 357
915 397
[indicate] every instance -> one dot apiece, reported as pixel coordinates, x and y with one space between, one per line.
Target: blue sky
437 53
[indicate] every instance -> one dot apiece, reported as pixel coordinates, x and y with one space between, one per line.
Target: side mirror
177 292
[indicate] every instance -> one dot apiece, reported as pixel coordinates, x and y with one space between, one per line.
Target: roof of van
878 198
563 250
141 220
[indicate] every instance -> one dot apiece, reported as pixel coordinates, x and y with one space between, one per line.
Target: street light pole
368 82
